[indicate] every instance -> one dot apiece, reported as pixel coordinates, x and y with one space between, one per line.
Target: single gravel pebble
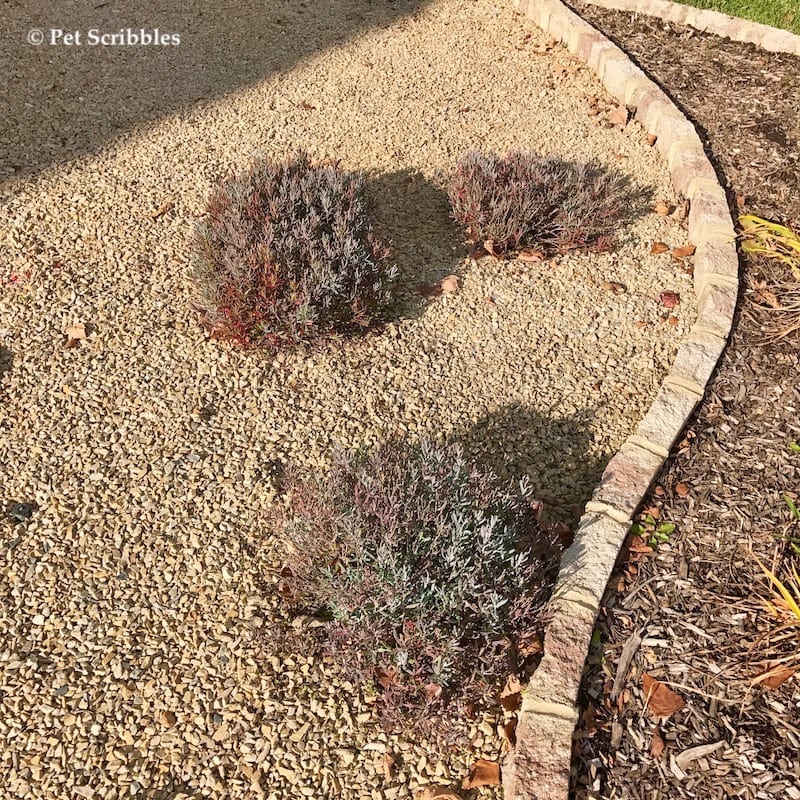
128 663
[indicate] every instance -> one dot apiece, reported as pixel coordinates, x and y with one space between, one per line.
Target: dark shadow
553 453
63 101
412 214
6 361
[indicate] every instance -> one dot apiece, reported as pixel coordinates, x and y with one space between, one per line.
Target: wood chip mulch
691 613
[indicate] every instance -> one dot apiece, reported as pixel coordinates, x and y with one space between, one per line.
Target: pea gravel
130 598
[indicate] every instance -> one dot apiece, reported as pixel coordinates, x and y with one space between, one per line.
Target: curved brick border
740 30
538 767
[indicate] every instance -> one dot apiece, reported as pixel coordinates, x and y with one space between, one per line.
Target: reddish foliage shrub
431 573
528 201
287 253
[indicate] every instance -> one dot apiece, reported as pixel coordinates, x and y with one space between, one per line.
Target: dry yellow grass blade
789 604
770 239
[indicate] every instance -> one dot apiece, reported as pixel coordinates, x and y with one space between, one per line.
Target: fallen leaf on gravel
482 773
658 744
619 116
684 252
613 286
693 753
437 793
529 254
640 324
662 208
75 334
477 250
774 677
389 766
651 139
449 285
681 489
672 321
307 106
661 701
167 718
163 208
658 247
488 246
670 299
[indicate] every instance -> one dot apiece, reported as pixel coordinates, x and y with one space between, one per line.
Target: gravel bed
128 661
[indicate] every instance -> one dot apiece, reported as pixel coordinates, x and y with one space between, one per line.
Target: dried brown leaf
684 252
449 285
774 677
651 139
619 116
613 286
437 793
510 732
75 334
482 773
658 743
670 299
389 766
661 701
672 321
529 254
681 489
663 208
163 208
658 247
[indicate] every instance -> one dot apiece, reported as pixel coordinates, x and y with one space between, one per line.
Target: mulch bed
691 613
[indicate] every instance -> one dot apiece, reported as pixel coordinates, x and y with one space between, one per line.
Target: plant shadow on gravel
412 214
553 453
63 102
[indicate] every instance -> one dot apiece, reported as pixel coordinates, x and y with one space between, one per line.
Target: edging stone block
709 218
668 415
716 308
627 477
715 262
698 356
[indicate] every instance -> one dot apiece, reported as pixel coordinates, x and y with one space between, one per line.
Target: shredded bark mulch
691 611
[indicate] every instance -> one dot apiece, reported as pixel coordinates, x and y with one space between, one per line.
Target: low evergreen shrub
286 253
530 201
433 576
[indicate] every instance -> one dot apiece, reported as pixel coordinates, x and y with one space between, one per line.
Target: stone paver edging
538 768
740 30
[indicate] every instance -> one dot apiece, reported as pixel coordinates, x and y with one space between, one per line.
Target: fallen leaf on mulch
658 744
684 252
681 489
437 793
772 678
661 701
619 116
662 208
670 299
658 247
482 773
75 334
693 753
